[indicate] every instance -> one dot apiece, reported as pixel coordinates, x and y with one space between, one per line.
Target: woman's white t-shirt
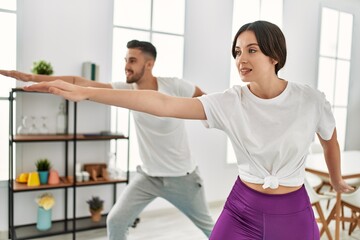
163 142
270 137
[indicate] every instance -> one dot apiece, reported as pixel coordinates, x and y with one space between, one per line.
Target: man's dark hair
145 47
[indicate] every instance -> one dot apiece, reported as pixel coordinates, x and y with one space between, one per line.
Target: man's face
135 62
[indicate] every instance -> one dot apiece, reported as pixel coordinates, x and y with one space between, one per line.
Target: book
90 71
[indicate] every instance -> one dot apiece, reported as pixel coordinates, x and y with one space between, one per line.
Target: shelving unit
70 224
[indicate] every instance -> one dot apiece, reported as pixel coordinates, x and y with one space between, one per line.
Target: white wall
207 62
301 27
68 32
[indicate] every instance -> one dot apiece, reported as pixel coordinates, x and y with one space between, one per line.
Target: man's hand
58 87
17 75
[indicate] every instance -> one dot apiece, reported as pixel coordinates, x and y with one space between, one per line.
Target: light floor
173 225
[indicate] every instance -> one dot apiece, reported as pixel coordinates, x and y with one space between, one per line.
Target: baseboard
4 235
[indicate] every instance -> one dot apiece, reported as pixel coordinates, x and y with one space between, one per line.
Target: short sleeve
208 123
185 88
326 124
216 109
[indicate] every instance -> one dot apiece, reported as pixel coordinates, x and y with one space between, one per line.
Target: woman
271 123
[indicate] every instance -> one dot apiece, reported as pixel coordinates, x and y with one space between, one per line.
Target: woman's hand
58 87
341 186
17 75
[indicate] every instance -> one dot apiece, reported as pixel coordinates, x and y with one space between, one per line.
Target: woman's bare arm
332 158
148 101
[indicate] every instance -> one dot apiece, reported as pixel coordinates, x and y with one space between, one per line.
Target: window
7 61
160 22
334 64
244 12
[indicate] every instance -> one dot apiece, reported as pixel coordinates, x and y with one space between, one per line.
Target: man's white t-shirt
163 142
270 137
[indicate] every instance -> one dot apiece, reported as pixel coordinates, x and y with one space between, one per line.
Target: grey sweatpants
185 192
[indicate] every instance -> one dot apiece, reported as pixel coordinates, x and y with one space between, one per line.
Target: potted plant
96 206
42 67
43 166
45 203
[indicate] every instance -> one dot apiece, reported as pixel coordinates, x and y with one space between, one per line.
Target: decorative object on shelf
96 205
45 203
79 177
23 178
82 176
43 167
78 167
25 125
112 171
42 67
33 130
90 71
97 171
33 180
85 176
43 129
53 177
61 119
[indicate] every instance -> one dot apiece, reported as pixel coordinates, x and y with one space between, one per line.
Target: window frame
341 132
4 173
118 115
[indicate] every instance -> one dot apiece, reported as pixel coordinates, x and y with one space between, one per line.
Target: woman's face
252 64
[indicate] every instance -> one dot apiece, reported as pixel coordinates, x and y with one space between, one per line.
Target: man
167 169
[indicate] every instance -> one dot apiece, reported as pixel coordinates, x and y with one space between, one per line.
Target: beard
134 77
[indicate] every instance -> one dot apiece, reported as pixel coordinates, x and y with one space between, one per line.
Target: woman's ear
274 62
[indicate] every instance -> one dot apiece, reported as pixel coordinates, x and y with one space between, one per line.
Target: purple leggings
252 215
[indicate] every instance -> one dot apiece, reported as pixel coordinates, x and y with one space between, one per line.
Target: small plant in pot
42 67
96 206
43 166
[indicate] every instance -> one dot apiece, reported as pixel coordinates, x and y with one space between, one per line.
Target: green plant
95 203
43 165
42 67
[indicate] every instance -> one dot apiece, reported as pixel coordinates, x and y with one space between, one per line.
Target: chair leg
328 202
320 187
323 221
342 214
330 217
353 223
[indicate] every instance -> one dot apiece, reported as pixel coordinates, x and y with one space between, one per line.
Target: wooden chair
315 199
351 201
325 181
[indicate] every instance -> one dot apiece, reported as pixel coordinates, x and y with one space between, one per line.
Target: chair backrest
352 198
313 195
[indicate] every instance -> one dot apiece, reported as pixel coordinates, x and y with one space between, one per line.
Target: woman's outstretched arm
147 101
